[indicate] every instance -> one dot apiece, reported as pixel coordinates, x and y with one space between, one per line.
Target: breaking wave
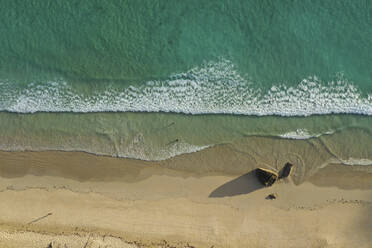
214 87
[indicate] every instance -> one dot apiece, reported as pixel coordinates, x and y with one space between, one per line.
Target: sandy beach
153 124
74 199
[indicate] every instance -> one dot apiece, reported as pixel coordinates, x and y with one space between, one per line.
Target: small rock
271 196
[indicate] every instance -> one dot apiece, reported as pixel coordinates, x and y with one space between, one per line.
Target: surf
211 88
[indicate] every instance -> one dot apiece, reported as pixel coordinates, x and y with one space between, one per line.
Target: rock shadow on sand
244 184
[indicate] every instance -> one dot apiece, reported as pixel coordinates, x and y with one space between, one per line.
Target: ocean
156 79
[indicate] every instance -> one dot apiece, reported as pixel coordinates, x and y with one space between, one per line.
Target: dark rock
286 171
271 197
266 177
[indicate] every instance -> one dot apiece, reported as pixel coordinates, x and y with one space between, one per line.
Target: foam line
211 88
145 153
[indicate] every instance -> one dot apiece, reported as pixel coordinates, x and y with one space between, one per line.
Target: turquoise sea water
262 66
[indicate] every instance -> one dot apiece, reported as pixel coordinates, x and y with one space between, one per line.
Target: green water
271 41
234 69
158 136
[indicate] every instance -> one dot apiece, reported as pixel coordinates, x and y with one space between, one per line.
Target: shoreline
158 137
146 204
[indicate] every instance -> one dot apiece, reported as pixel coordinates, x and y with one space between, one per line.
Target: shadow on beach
244 184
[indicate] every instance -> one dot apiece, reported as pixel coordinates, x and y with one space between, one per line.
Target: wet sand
74 199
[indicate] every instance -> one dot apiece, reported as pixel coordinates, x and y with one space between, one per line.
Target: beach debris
272 196
167 126
50 245
40 218
286 171
266 177
173 142
86 243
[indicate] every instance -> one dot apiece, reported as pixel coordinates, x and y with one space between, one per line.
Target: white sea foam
210 88
298 134
348 162
302 134
356 161
139 149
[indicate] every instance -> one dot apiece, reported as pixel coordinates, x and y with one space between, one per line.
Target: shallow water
233 70
158 136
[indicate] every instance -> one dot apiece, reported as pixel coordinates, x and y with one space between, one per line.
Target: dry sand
73 199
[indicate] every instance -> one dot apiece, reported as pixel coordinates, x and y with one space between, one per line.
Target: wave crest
212 88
